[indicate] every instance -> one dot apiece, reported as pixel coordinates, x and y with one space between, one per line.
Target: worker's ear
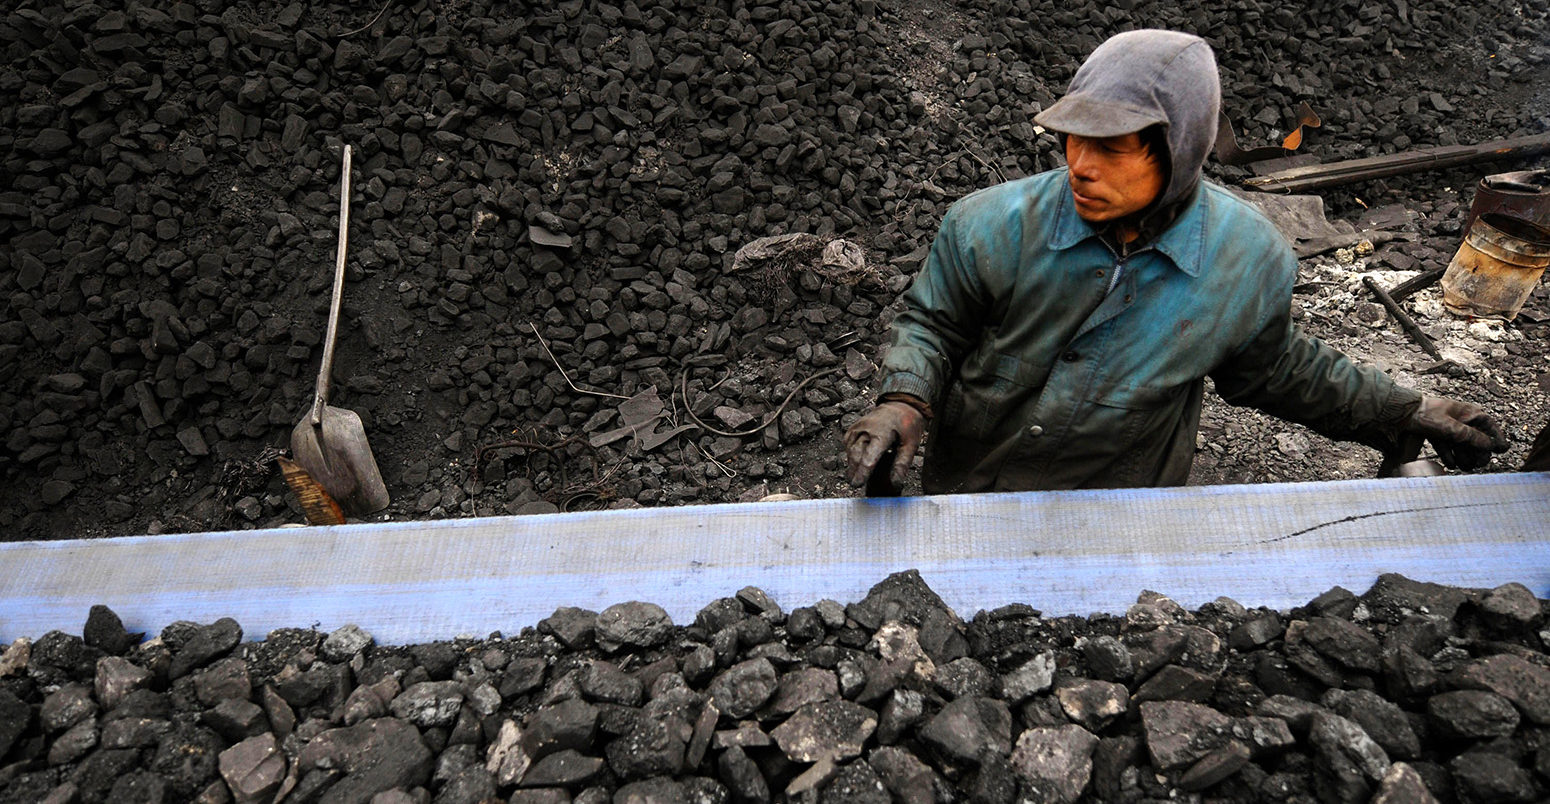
1155 138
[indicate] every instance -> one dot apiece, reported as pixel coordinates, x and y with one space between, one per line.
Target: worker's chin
1092 210
1096 214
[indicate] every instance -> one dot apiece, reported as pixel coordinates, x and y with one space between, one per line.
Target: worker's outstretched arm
1290 374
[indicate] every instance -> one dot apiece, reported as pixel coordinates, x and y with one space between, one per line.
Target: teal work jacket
1047 371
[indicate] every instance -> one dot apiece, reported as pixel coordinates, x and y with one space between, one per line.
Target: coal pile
547 214
1411 692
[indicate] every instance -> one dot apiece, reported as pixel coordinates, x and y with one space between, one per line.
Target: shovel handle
321 400
880 482
1408 449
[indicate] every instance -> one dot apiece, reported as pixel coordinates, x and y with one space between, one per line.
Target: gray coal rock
537 718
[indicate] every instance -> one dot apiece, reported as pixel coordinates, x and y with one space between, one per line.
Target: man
1061 329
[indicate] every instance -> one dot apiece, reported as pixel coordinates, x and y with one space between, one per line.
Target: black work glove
890 424
1462 433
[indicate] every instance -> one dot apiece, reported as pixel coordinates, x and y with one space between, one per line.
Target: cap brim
1088 117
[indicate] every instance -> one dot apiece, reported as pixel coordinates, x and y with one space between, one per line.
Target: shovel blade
336 454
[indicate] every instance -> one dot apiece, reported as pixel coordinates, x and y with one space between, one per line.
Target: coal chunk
345 642
632 625
743 688
1055 764
15 717
1344 642
742 776
1403 784
565 768
902 596
832 730
574 627
1350 762
429 703
1179 734
653 746
58 657
185 755
1525 684
375 756
253 768
1384 721
967 727
105 632
1489 776
67 706
604 681
1092 704
203 644
1472 714
1393 597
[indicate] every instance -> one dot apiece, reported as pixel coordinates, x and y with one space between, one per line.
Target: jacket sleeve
943 315
1290 374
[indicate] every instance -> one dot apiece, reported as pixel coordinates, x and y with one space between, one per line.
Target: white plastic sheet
1275 545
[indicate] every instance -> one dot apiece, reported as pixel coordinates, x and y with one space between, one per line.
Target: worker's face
1112 177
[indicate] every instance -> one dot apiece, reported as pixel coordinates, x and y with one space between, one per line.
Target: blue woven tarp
1275 545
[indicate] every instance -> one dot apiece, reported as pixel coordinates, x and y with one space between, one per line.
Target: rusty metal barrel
1496 267
1521 194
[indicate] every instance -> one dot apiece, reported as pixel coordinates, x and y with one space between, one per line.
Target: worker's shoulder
1226 204
1229 210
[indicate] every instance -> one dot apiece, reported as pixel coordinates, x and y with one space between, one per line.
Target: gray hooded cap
1142 78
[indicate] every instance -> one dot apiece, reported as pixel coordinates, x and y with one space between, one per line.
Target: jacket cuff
1397 410
921 406
901 382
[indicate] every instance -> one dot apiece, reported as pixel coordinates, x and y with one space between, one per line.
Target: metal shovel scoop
330 443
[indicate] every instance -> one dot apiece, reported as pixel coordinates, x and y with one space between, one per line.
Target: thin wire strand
368 25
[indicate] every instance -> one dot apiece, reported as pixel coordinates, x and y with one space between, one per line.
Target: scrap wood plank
1333 174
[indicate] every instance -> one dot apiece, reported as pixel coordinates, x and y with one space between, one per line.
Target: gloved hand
1462 433
887 425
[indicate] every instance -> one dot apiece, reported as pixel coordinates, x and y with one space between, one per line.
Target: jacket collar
1183 243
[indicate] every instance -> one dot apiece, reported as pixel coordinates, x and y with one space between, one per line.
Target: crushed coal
545 308
1408 692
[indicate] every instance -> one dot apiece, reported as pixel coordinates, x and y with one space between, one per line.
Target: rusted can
1521 194
1496 267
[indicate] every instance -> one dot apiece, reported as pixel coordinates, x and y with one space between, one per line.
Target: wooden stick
1404 320
1422 281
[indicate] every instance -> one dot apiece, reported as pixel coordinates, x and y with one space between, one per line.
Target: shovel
880 482
330 443
1404 460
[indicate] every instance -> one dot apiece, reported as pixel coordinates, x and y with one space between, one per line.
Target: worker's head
1115 177
1138 119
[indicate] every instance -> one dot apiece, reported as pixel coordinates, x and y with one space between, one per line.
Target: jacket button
1070 357
1036 431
